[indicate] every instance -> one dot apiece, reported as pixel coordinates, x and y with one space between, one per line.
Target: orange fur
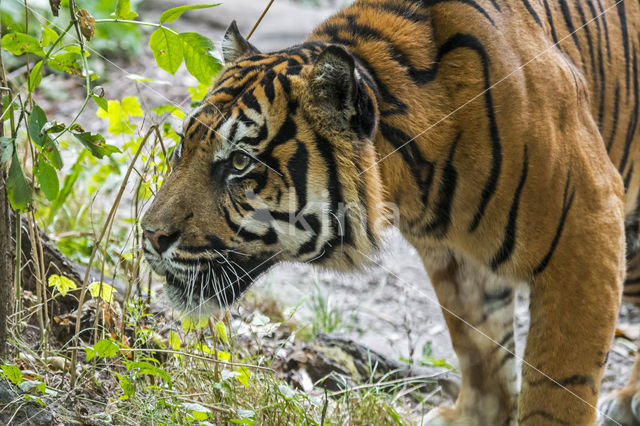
504 154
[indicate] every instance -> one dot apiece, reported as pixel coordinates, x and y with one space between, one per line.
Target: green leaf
61 283
106 348
173 109
19 43
102 102
221 331
42 387
50 151
95 143
35 76
13 373
127 386
68 185
37 120
244 376
198 93
6 149
68 62
123 10
131 106
47 178
189 324
49 35
150 369
174 13
200 63
17 185
91 353
104 291
174 340
52 127
118 117
166 46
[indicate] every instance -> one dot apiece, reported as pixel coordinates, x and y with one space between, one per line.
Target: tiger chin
502 148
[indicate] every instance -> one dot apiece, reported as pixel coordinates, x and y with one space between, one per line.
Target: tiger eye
240 161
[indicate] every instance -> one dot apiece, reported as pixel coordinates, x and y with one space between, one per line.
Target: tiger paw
446 416
621 408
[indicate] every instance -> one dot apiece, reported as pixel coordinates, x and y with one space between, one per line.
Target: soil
391 306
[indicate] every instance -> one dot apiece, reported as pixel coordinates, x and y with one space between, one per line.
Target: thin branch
260 19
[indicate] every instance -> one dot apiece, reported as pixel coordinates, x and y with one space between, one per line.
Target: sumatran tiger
500 136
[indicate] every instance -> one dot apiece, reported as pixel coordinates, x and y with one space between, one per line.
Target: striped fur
502 133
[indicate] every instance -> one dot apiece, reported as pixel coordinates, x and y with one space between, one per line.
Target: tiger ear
339 91
234 46
333 81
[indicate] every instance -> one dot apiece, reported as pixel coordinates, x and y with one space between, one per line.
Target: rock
335 362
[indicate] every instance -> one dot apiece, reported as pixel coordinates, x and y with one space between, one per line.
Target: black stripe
458 41
601 76
421 169
335 191
298 166
509 240
633 120
627 178
603 16
587 34
503 342
250 101
439 226
575 380
567 201
506 356
566 14
544 414
549 14
365 32
401 10
632 281
615 118
493 302
625 43
268 238
471 3
532 12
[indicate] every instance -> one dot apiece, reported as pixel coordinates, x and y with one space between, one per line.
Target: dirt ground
391 306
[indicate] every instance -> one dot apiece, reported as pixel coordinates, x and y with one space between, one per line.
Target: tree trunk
7 296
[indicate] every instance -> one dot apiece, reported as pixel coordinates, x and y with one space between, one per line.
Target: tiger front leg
574 305
622 406
478 308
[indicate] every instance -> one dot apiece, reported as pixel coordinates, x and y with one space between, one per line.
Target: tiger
499 136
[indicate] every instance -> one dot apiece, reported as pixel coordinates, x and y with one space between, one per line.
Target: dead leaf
87 24
55 5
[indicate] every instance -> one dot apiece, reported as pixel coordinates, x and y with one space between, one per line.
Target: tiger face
275 165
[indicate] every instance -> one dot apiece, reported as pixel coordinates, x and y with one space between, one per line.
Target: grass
160 372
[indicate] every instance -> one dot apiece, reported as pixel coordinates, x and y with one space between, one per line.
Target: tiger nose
161 240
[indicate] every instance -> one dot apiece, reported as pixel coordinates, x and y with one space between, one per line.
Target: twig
260 19
389 383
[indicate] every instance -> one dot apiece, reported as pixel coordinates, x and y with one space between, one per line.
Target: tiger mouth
206 286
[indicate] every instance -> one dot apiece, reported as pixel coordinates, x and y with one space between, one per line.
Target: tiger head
277 164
